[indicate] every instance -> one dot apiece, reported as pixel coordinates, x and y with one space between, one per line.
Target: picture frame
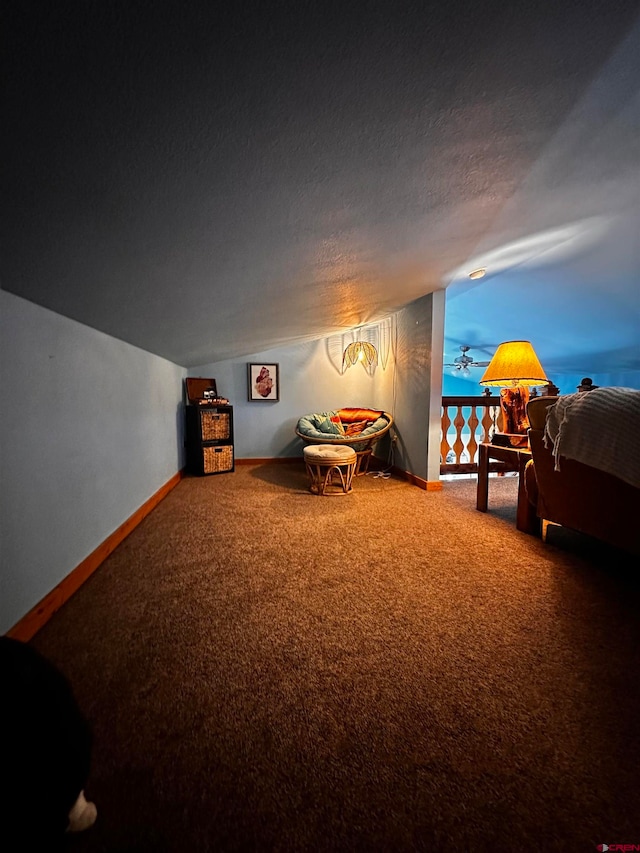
263 382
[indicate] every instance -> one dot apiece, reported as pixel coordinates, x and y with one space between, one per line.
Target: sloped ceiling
210 180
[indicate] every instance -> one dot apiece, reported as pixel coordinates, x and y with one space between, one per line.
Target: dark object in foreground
46 748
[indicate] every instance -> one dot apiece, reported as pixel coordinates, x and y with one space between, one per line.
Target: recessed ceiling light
477 273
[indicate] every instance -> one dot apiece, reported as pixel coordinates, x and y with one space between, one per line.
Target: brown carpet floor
267 670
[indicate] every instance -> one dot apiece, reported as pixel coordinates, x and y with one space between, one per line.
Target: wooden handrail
474 419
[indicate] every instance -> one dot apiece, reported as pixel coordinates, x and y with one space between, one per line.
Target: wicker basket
217 459
214 425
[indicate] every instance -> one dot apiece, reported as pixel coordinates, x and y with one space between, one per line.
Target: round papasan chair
355 428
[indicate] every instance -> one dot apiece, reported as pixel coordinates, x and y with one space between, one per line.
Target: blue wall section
453 386
566 382
91 428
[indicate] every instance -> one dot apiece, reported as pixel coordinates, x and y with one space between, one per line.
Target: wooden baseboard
39 615
420 482
266 460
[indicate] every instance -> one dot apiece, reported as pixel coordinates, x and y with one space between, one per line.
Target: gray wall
311 380
91 427
406 382
419 377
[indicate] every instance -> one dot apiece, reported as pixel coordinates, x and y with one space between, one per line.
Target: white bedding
600 428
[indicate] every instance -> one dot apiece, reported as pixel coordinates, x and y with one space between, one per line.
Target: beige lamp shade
359 351
514 363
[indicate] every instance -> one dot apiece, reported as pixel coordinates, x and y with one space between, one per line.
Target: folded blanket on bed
600 428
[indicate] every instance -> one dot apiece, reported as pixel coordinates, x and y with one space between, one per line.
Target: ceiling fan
463 362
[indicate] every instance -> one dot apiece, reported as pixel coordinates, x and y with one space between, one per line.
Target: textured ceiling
209 180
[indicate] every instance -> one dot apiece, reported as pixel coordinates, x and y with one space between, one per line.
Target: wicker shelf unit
210 439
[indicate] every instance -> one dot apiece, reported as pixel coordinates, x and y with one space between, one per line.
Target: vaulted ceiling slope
210 180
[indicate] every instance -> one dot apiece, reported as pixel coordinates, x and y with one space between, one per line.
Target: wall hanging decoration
264 382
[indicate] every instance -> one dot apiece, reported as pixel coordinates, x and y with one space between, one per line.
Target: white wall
91 427
419 385
311 380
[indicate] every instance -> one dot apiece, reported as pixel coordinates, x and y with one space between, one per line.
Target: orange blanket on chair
349 416
356 420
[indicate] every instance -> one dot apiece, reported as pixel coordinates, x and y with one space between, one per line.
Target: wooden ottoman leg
345 472
349 475
342 478
362 463
314 477
330 469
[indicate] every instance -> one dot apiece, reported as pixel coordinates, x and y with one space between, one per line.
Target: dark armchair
578 496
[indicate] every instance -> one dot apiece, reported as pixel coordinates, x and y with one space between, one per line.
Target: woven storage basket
214 425
217 459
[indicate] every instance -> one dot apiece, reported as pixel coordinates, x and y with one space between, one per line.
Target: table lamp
514 368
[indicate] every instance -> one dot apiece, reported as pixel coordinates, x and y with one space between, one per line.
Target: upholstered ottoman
331 468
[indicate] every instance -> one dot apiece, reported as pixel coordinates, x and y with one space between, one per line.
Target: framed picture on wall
264 382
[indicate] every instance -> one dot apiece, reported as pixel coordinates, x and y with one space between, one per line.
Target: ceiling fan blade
461 364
